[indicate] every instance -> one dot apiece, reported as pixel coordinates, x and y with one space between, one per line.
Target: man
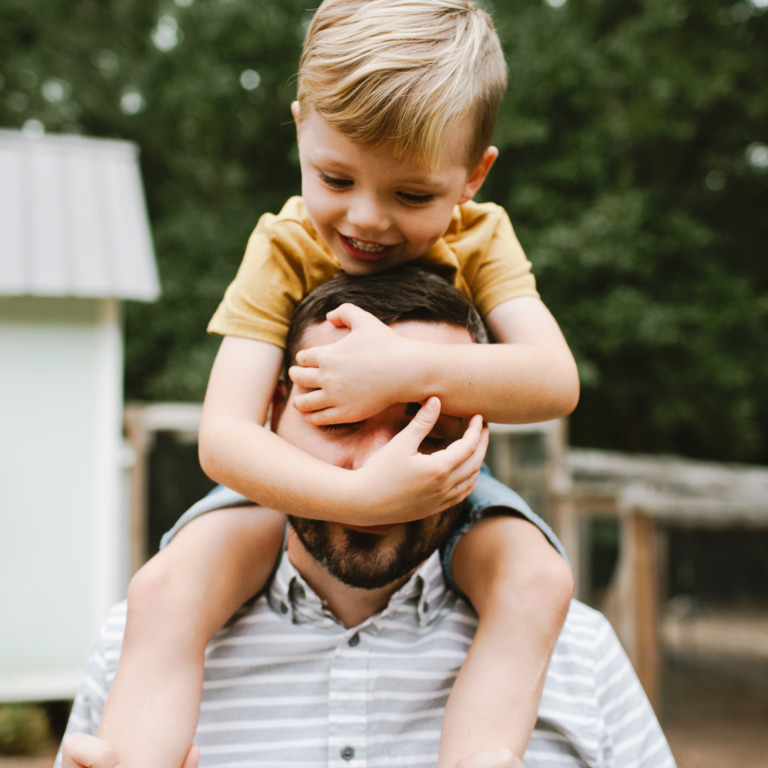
349 657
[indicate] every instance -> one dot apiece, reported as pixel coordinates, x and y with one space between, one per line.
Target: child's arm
528 375
395 484
176 602
521 588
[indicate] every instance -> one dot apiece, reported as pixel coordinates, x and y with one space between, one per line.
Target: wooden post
140 440
634 608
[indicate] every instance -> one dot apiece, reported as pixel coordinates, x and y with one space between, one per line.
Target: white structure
74 242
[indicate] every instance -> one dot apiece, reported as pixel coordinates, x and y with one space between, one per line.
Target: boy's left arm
520 587
529 375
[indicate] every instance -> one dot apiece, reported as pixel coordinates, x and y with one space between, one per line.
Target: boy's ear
477 177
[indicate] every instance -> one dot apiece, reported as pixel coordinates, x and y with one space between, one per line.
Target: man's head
404 73
419 305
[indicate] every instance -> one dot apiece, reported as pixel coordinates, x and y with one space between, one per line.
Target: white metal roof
73 219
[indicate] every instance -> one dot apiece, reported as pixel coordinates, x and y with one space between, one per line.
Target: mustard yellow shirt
286 259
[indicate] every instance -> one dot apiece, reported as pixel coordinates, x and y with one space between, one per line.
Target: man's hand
355 377
492 758
400 483
78 750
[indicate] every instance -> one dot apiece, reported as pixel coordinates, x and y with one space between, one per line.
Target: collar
421 599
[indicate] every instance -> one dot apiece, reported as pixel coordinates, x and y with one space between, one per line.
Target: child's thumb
422 423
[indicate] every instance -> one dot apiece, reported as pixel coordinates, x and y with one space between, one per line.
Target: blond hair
403 74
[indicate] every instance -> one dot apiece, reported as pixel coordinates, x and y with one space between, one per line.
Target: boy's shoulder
291 229
476 220
293 212
472 214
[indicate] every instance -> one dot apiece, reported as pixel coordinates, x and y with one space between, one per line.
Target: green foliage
24 729
625 143
633 164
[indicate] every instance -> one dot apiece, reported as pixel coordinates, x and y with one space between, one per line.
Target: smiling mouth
361 245
366 251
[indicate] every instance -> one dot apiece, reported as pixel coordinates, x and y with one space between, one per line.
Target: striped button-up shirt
287 686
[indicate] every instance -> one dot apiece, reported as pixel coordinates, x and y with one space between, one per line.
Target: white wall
62 553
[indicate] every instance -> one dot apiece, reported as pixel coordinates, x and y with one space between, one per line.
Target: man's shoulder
585 626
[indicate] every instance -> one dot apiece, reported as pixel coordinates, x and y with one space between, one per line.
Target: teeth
367 247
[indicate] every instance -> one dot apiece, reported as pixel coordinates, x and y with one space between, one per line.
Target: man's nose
370 442
367 213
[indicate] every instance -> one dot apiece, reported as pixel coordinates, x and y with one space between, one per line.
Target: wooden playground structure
646 496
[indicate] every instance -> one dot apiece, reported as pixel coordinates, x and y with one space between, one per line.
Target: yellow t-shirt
286 259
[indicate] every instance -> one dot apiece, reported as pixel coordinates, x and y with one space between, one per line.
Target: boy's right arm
176 602
396 484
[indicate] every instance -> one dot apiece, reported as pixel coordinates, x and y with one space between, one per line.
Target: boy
396 104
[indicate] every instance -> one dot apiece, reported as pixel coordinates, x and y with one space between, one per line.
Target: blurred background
634 166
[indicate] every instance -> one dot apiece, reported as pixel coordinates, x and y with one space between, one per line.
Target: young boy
397 100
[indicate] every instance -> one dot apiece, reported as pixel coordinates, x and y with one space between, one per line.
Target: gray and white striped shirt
287 686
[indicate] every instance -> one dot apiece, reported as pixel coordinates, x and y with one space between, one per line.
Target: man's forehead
422 330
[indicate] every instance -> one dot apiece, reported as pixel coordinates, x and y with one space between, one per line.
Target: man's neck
350 605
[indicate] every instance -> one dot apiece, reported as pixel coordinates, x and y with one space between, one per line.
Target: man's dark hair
400 295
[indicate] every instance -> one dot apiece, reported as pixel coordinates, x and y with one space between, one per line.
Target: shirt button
353 641
347 753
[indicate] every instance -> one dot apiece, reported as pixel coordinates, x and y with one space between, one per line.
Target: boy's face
373 210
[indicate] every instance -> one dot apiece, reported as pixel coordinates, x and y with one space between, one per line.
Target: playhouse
75 243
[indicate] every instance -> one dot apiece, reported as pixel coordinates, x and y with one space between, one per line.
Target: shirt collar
422 597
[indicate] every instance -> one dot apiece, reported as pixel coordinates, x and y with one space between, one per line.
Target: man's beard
362 560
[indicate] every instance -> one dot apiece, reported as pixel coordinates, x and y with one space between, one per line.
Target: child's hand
398 483
492 758
79 750
355 377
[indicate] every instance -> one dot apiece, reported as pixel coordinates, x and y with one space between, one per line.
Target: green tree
634 165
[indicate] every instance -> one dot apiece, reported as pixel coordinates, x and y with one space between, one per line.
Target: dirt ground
715 690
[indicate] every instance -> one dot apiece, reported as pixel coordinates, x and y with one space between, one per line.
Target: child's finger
79 750
411 436
349 316
308 358
307 378
193 757
462 449
492 758
315 400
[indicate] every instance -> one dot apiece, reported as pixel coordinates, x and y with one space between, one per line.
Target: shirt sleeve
631 734
490 256
283 262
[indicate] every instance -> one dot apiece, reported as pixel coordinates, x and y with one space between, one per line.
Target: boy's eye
331 181
416 199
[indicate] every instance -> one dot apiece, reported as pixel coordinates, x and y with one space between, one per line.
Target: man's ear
279 399
477 177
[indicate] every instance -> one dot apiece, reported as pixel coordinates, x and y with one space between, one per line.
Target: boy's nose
367 214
